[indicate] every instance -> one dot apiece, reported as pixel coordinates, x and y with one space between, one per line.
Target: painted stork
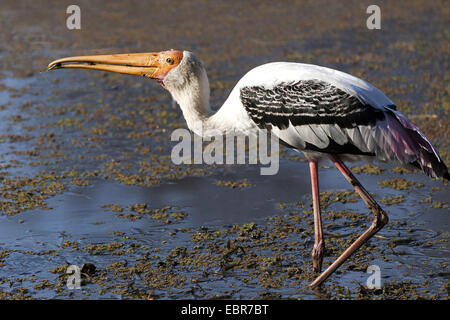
321 112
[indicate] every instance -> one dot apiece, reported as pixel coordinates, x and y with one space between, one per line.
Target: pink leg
319 245
380 219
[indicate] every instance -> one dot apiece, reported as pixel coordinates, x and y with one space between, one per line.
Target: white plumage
382 139
271 74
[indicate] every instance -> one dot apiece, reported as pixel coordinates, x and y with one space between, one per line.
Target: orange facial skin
167 60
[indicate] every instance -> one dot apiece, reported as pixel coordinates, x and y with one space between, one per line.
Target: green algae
244 183
368 169
399 184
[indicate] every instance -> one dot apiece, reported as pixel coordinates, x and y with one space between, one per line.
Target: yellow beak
140 64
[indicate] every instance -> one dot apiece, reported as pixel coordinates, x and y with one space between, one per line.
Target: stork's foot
317 256
379 221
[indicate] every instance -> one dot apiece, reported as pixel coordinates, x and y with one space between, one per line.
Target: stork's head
172 69
180 72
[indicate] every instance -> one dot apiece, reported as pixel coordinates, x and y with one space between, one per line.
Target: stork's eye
169 61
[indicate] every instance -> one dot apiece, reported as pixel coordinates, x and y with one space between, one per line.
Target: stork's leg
380 219
319 245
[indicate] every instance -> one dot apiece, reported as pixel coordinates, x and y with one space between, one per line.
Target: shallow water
101 188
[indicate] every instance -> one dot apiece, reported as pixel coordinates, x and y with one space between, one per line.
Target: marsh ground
86 175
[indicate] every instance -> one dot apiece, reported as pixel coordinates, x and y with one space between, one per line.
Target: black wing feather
306 102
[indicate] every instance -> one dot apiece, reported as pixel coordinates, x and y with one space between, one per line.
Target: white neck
189 86
193 99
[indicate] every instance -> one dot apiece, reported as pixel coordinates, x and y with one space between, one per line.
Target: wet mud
86 176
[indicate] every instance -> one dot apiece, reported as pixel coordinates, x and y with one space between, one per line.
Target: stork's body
321 112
